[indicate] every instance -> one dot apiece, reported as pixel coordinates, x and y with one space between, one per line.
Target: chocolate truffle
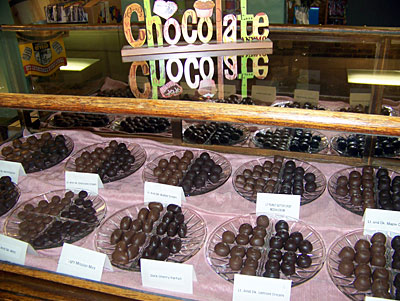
222 249
346 267
347 253
362 283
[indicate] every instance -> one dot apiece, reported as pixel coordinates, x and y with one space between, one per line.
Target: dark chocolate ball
304 261
346 267
222 249
347 253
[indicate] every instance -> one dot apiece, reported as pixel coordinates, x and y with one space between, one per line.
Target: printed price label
360 99
175 277
278 204
264 93
83 263
83 181
260 288
385 221
14 250
11 169
165 194
303 96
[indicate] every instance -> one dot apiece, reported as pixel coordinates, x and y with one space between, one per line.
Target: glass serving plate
209 141
289 103
105 120
220 264
136 150
334 144
218 159
116 127
344 201
344 283
47 163
6 208
306 198
324 143
191 244
13 221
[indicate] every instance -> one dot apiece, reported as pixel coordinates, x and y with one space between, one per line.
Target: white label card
165 194
83 263
260 288
385 221
278 204
11 169
83 181
170 276
369 298
360 99
14 250
229 90
264 93
303 96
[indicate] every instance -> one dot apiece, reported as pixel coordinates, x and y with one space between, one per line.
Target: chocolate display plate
220 264
306 198
11 225
334 145
218 159
389 109
322 146
191 244
18 190
136 150
345 201
286 103
242 139
68 143
344 283
116 127
51 122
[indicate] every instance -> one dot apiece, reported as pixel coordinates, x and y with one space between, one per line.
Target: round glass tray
218 159
289 103
191 244
344 201
4 208
220 264
344 283
306 198
334 143
324 143
209 140
135 149
48 161
93 120
116 126
56 222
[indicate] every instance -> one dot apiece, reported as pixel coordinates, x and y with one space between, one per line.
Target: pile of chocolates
305 105
366 262
387 111
144 124
37 153
295 140
68 120
122 92
66 218
235 99
369 190
109 162
295 252
151 235
249 243
187 172
213 133
354 146
8 194
274 177
395 264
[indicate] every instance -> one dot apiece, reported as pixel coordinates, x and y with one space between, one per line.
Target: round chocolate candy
235 262
281 225
175 245
262 221
305 246
395 243
246 229
362 283
288 268
238 251
276 242
253 253
257 241
248 270
346 267
362 244
120 257
290 245
363 256
242 239
222 249
228 237
275 254
125 223
362 269
380 273
347 253
378 260
304 261
271 274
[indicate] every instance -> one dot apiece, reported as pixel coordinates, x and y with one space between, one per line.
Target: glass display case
322 96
